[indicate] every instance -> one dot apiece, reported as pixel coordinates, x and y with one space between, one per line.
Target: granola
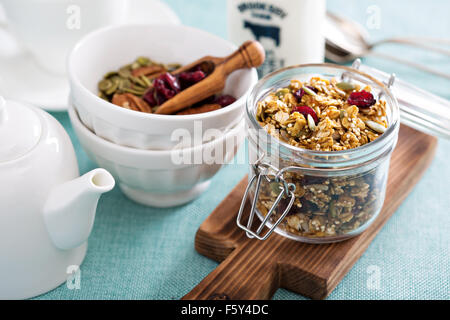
324 115
326 207
319 115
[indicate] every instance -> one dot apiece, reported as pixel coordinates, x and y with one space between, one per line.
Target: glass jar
316 196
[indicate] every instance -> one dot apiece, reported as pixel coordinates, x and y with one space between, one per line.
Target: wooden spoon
250 54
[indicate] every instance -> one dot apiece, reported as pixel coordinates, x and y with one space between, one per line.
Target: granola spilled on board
324 115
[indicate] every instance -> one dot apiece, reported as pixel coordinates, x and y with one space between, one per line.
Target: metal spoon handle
408 63
423 43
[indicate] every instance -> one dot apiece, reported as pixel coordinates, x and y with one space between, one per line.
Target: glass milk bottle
289 30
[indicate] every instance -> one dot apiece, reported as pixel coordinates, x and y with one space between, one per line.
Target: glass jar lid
419 109
20 130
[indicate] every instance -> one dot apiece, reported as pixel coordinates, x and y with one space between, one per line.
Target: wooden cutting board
253 269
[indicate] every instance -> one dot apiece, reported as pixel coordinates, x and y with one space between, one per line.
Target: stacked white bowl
138 148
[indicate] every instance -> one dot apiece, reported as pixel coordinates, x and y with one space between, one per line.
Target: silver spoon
347 40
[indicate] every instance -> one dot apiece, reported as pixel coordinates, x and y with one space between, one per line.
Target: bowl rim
75 81
77 124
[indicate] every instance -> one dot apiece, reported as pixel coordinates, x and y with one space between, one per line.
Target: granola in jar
324 115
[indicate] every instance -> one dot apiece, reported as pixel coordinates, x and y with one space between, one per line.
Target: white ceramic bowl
109 48
151 177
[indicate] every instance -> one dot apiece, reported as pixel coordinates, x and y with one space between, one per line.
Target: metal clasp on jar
287 190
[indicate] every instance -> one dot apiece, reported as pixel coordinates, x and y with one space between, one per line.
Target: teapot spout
69 211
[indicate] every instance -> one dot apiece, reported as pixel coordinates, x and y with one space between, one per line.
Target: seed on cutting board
375 126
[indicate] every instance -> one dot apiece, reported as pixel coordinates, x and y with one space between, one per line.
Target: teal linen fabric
137 252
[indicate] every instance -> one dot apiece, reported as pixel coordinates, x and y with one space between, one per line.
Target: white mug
49 28
291 31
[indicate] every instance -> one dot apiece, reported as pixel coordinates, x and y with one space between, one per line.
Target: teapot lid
20 129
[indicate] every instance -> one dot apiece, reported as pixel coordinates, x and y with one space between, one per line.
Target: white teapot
46 210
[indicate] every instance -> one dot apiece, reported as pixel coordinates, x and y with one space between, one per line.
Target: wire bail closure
261 170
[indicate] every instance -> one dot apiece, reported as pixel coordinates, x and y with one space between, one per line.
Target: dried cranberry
162 91
166 86
298 95
305 110
149 97
361 99
225 100
171 81
187 79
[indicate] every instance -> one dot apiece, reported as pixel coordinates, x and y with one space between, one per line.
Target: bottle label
290 31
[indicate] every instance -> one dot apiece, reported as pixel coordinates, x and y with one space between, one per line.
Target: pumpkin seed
138 81
282 92
143 61
309 91
125 71
346 217
333 210
311 123
105 85
342 114
275 186
375 126
146 81
346 86
138 92
135 65
113 88
124 83
103 96
110 74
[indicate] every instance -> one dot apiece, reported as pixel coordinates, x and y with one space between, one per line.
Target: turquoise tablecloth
137 252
